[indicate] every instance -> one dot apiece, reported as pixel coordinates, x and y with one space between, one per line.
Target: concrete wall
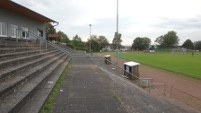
16 19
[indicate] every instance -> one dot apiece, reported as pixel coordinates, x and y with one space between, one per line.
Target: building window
3 29
14 31
40 33
25 32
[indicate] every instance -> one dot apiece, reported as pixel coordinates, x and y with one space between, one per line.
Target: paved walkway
85 92
91 87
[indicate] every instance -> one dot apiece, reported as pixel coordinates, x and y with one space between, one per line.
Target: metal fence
172 92
142 82
47 43
189 99
160 88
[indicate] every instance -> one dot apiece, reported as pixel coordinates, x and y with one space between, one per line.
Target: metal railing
49 43
154 85
139 81
187 98
164 89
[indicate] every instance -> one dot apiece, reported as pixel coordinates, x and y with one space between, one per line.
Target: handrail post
171 92
164 89
46 44
150 85
40 45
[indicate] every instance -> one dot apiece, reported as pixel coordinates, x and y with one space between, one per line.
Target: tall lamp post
117 32
90 35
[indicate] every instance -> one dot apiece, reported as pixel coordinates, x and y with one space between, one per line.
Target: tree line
96 43
169 40
93 44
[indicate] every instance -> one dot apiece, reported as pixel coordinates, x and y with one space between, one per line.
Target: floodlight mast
90 35
117 32
117 16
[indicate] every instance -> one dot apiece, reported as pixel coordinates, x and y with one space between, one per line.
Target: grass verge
49 103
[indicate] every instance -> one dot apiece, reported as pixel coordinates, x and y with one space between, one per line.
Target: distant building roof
53 35
14 7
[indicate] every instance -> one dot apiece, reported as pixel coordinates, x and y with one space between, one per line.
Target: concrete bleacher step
24 68
18 54
13 50
13 55
9 73
11 62
66 47
37 101
14 101
14 44
8 85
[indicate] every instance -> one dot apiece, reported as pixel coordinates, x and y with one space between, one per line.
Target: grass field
184 64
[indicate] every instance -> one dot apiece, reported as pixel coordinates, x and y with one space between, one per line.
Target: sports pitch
185 64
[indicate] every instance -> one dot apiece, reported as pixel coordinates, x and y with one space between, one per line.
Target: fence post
46 45
164 89
171 92
40 45
150 87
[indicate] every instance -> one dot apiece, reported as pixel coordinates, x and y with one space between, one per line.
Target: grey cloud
172 23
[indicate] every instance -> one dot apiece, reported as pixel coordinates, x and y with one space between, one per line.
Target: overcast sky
137 18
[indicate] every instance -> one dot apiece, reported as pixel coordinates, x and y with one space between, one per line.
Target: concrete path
84 91
91 87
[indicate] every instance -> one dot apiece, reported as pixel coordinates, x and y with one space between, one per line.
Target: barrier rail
49 43
170 91
158 84
139 83
189 99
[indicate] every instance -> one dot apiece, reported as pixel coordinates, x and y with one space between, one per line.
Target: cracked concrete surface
91 87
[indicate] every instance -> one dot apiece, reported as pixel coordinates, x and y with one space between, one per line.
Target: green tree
198 45
93 44
103 41
77 41
71 45
160 40
141 43
117 40
63 37
188 44
168 40
50 29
